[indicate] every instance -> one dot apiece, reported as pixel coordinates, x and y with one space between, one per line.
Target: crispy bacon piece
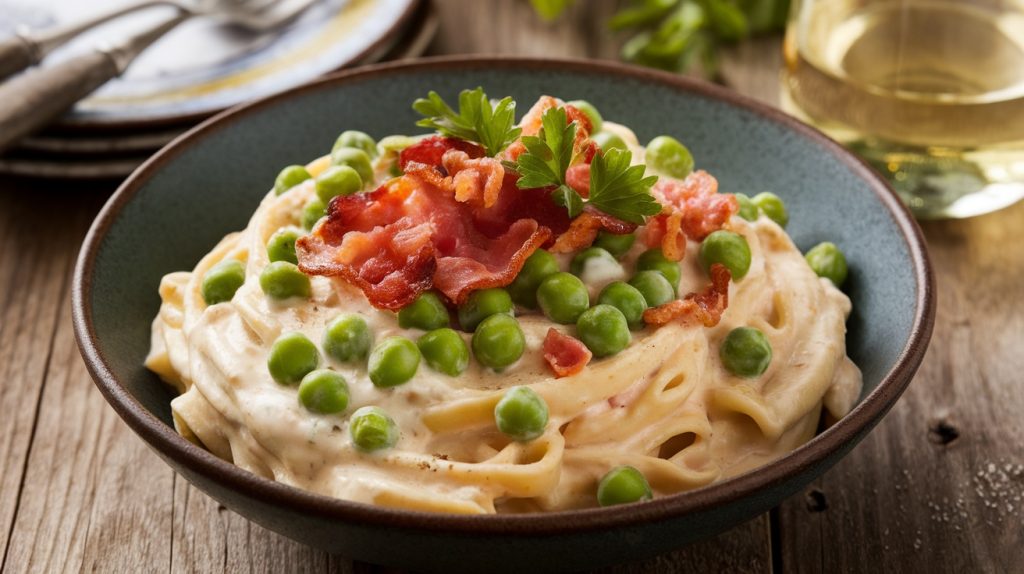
665 231
398 241
706 306
514 204
431 150
477 181
703 209
583 230
564 354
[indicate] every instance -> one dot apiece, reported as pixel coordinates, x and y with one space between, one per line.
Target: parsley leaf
616 187
620 189
478 119
548 155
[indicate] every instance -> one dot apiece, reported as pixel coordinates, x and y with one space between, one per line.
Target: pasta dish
506 316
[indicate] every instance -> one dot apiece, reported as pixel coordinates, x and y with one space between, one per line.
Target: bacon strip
398 241
564 354
487 263
583 230
703 209
706 306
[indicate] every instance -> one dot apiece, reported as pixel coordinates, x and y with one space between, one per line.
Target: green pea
312 213
356 139
617 245
498 341
324 392
608 140
281 280
281 246
654 287
222 280
622 485
481 304
729 249
655 260
746 352
289 177
627 299
772 206
372 429
347 338
395 144
337 180
357 159
521 414
445 351
604 330
581 260
292 357
591 112
667 155
426 312
538 266
393 362
563 298
829 262
748 210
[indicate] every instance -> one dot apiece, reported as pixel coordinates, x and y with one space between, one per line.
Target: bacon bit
477 181
430 151
673 244
706 306
578 178
408 235
564 354
703 209
531 122
583 230
574 114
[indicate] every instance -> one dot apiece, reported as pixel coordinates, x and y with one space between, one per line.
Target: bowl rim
226 475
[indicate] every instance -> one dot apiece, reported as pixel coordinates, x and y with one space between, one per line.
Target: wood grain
34 275
939 485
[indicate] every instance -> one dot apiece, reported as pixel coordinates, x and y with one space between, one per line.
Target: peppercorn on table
936 487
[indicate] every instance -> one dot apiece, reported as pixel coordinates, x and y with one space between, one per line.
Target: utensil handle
27 47
33 99
15 55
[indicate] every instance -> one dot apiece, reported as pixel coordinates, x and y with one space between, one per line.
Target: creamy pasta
664 405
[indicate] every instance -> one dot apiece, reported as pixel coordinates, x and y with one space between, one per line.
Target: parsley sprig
620 189
616 187
478 120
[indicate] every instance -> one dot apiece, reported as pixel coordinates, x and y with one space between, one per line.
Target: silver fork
30 101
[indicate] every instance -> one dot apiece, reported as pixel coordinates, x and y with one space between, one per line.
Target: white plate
204 66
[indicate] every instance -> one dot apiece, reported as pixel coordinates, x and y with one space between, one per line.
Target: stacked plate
195 71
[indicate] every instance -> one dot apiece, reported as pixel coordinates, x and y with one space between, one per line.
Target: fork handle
16 54
33 99
28 47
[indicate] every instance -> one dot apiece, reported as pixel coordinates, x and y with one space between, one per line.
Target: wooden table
937 487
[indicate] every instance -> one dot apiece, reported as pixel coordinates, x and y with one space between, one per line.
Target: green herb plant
680 35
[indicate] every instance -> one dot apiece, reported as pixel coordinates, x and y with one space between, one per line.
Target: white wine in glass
930 92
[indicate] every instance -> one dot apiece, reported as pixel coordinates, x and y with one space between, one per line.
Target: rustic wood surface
937 487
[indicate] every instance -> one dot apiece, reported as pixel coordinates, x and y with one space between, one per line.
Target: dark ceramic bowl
207 183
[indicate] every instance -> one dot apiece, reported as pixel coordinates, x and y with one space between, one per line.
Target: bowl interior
184 202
